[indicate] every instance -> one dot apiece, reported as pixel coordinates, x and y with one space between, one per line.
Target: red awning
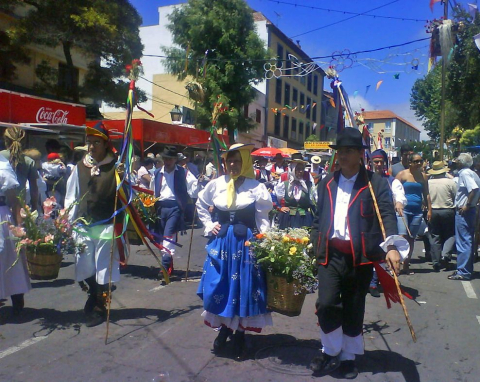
23 108
146 130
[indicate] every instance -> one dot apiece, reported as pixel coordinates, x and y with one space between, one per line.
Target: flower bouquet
45 239
144 204
288 260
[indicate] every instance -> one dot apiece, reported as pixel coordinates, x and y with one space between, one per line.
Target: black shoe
221 340
325 364
18 303
436 267
348 370
239 345
96 317
374 292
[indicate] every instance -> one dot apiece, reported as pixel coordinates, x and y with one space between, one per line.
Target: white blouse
8 179
251 191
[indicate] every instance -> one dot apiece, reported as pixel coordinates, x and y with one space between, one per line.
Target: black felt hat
170 152
349 137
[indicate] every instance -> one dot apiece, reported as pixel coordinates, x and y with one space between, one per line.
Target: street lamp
176 114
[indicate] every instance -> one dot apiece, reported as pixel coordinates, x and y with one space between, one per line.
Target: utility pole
444 70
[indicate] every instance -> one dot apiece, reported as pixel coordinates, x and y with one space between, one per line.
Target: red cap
53 156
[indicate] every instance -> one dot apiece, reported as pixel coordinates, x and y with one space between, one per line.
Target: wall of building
286 93
394 131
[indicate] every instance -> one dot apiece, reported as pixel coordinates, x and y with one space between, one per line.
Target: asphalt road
157 329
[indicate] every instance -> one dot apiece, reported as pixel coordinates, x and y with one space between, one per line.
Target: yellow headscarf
247 170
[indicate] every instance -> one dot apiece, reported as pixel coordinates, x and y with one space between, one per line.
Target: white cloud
358 103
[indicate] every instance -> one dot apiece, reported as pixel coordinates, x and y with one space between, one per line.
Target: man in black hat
171 190
346 235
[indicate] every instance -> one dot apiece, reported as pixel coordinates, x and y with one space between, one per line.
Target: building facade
389 131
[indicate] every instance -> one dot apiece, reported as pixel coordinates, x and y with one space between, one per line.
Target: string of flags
302 109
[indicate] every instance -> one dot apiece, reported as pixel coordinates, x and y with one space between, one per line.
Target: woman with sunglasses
409 218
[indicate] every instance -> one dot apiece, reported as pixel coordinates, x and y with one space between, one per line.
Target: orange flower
247 244
260 236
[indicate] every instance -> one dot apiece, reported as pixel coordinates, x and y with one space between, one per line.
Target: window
277 124
67 80
278 91
315 84
287 94
314 112
303 80
294 97
308 107
300 130
307 129
279 55
288 63
294 128
387 143
388 126
370 127
309 82
286 122
302 103
258 116
245 111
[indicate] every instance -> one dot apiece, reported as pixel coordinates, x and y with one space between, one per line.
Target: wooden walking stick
397 283
191 240
109 295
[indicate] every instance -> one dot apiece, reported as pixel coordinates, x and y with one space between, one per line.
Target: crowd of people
356 217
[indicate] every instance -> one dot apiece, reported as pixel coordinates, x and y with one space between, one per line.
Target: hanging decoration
296 68
342 60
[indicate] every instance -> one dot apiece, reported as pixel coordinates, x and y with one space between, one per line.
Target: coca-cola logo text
48 115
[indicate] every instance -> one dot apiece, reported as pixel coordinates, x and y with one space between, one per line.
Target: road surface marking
157 288
23 345
468 289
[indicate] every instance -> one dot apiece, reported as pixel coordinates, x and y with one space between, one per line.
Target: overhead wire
348 18
347 12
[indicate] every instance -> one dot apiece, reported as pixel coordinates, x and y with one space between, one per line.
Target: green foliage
462 93
105 30
311 138
471 137
224 55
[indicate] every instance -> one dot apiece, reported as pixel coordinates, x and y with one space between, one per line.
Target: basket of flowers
288 261
45 239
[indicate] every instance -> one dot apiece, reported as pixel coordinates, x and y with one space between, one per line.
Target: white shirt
340 227
192 184
251 191
167 188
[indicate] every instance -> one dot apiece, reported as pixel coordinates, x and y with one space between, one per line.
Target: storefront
150 136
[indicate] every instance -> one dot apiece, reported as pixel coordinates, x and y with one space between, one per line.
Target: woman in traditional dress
297 197
14 279
233 285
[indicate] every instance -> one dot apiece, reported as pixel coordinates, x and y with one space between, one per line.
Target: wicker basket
281 297
43 262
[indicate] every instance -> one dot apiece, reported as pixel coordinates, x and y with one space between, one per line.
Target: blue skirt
232 284
285 220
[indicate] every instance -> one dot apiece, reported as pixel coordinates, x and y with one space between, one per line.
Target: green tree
225 56
105 30
462 91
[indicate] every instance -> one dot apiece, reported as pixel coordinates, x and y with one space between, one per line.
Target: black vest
98 193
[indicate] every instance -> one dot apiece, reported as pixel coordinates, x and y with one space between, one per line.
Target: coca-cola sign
23 108
49 115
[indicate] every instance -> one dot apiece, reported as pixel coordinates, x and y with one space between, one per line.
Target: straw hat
316 159
438 167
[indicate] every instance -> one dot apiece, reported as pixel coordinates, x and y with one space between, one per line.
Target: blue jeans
464 233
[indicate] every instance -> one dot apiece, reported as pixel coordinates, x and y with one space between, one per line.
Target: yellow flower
285 239
305 240
293 250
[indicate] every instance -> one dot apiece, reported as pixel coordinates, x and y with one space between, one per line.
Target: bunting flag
432 3
367 88
314 128
472 10
378 84
396 76
355 93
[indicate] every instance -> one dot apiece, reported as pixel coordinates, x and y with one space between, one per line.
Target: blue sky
354 35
